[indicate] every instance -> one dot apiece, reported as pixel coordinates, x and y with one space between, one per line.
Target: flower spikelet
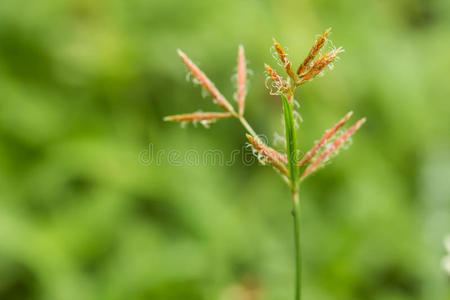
333 149
279 83
206 83
324 140
305 66
320 64
276 159
284 59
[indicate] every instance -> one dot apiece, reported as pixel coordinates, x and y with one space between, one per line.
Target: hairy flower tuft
320 64
324 140
284 59
278 83
276 159
306 65
332 150
206 83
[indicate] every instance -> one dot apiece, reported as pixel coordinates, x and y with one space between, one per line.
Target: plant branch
246 125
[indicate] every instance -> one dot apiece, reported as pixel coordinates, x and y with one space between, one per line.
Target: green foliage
84 86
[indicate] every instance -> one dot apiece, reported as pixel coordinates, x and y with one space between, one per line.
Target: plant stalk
298 248
291 149
247 126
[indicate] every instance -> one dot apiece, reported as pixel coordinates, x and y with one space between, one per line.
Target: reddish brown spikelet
276 78
332 150
242 79
202 117
273 157
284 59
320 64
206 83
305 66
324 140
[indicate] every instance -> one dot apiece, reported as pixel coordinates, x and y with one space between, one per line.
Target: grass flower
318 45
320 64
324 140
284 59
332 150
290 167
278 83
206 83
277 160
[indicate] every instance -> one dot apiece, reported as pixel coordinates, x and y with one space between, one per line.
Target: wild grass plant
293 167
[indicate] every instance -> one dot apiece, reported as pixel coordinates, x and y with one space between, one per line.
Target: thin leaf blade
291 141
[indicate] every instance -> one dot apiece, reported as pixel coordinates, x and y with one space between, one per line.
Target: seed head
305 66
324 140
206 83
284 59
280 84
273 157
320 64
333 149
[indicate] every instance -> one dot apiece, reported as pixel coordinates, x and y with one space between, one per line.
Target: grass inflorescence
292 168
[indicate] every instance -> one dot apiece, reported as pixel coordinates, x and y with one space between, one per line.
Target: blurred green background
84 86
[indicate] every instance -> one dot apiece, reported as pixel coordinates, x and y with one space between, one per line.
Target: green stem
247 126
298 248
293 163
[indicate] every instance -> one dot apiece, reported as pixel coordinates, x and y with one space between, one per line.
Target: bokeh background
84 86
